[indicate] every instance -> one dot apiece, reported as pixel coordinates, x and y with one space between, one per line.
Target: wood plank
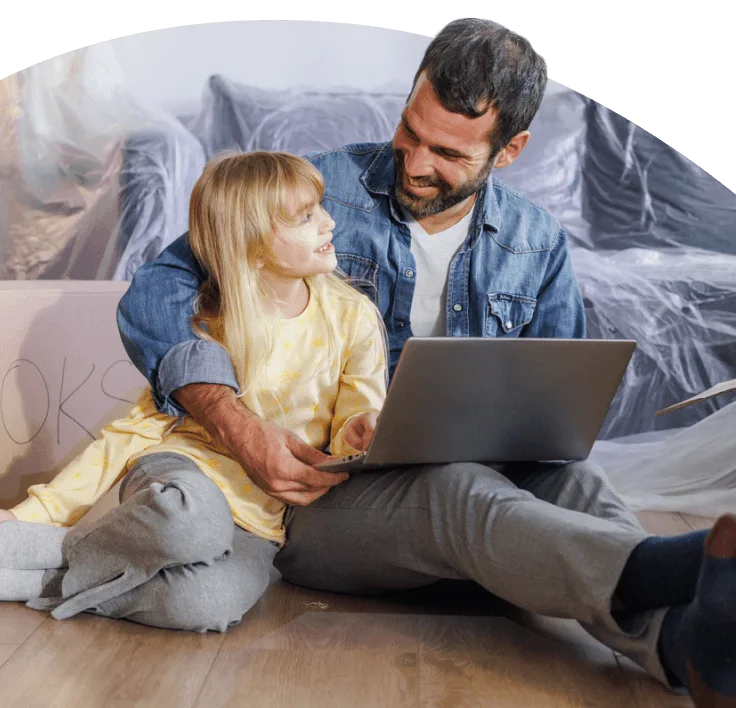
492 661
6 651
698 523
262 678
292 651
302 647
96 663
378 633
663 523
17 622
566 631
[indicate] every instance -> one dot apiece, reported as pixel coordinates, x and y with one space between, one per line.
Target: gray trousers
550 539
169 556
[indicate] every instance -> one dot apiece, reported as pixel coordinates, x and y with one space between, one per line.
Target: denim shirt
512 277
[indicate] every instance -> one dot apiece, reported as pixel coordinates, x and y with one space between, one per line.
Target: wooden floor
446 646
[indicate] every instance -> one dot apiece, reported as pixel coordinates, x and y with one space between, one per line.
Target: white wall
171 67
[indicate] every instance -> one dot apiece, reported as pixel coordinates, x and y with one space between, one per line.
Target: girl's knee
194 520
200 603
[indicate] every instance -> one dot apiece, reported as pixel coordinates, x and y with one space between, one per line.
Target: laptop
455 399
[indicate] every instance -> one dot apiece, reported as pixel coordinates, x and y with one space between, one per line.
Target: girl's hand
359 430
6 516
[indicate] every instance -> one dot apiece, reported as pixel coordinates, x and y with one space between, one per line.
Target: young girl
308 351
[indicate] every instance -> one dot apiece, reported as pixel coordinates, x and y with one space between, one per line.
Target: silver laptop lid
498 400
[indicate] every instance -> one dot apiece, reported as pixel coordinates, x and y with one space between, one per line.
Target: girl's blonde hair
237 205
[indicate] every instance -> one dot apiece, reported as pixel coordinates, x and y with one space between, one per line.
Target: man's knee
586 469
465 482
588 478
584 486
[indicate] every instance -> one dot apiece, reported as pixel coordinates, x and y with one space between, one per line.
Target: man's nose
418 162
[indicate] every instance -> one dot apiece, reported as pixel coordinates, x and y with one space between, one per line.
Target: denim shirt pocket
362 272
507 314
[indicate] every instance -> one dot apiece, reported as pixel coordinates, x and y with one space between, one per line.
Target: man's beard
447 197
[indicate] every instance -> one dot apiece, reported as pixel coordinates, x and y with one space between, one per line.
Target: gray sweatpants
550 539
169 556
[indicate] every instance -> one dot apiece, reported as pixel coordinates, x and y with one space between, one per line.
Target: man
446 249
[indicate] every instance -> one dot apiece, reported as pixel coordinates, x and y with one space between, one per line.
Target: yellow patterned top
300 392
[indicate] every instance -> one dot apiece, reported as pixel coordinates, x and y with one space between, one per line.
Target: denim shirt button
457 307
509 324
399 324
409 273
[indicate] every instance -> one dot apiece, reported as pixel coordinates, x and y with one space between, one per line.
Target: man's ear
512 150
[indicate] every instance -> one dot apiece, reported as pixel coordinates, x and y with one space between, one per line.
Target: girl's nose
327 223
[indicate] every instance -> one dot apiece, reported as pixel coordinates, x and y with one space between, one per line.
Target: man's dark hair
474 65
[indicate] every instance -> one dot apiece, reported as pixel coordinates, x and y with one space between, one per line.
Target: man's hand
275 459
358 431
7 516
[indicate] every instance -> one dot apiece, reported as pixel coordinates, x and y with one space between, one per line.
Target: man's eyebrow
406 124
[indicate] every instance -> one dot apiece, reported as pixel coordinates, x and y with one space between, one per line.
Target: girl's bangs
300 188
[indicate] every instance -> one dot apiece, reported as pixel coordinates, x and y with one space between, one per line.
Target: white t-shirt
433 253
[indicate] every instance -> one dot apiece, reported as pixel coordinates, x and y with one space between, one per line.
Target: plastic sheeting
92 176
654 248
94 182
679 305
240 117
690 470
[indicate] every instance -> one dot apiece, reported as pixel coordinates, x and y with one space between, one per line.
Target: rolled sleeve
154 321
196 361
